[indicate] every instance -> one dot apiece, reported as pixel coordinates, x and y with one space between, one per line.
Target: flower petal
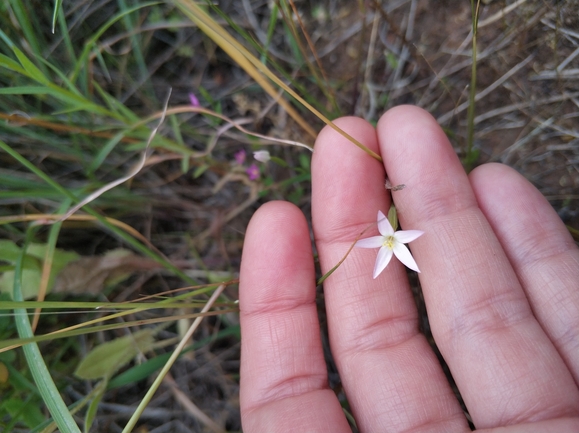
372 242
384 226
262 155
402 253
406 236
384 256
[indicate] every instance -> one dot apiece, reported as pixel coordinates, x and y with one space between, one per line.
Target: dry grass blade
447 116
53 218
500 14
133 421
241 56
253 66
233 123
190 407
123 179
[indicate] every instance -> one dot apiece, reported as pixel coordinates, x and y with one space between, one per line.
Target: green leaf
105 360
28 412
32 267
147 368
9 251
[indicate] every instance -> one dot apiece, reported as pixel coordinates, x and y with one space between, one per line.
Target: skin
499 272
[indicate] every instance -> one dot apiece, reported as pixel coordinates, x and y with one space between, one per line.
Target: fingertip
352 125
404 119
518 212
418 154
269 216
277 245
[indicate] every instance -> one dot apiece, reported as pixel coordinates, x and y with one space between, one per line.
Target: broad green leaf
9 251
32 267
147 368
105 360
30 282
28 412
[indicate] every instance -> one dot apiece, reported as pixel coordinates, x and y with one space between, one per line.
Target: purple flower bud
240 157
194 101
252 172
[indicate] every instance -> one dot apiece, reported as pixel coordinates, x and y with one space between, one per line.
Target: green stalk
40 373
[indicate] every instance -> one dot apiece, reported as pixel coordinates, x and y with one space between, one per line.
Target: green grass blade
38 368
116 106
57 6
13 65
30 68
147 368
145 401
137 49
82 60
17 342
104 152
29 28
270 28
24 90
143 249
65 35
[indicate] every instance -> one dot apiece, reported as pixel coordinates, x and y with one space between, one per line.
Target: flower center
389 242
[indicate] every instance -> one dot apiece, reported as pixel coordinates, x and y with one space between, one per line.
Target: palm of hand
499 272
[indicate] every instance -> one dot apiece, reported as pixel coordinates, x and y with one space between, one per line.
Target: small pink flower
194 101
252 172
240 157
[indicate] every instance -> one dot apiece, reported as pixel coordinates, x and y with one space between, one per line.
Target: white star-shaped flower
391 242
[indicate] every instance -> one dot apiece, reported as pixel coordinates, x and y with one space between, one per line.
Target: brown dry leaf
92 274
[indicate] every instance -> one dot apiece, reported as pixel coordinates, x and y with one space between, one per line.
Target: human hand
499 273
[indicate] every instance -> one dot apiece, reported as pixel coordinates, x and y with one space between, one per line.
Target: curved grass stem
40 373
